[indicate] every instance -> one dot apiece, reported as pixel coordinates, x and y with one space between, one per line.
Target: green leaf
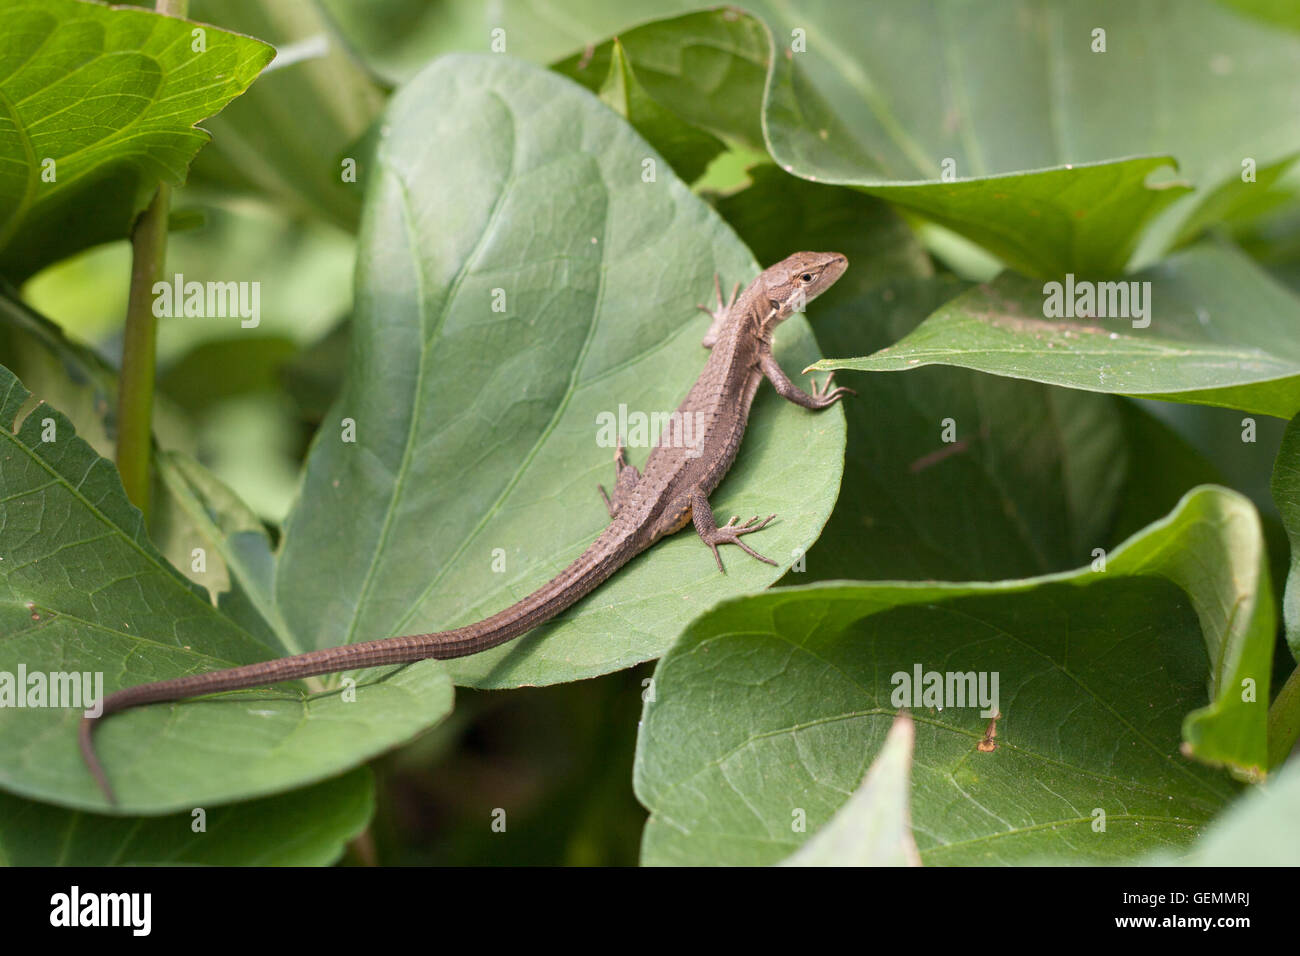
82 589
287 137
688 150
1050 142
1100 675
707 70
873 828
1084 217
1221 333
211 516
109 96
1014 95
83 386
1242 202
308 827
1286 494
476 431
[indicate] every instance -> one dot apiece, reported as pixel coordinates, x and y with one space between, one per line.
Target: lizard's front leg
821 397
729 533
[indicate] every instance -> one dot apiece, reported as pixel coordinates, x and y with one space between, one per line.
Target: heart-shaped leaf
1096 673
512 292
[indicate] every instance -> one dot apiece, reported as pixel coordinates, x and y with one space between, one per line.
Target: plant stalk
139 342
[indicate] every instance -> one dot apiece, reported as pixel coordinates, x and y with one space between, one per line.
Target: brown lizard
644 507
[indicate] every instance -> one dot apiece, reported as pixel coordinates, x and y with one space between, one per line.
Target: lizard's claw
730 533
825 395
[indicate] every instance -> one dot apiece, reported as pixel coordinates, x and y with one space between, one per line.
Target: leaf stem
1284 721
140 338
136 382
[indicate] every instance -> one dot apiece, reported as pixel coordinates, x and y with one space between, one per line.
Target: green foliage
84 590
1099 675
1221 332
100 105
413 450
474 432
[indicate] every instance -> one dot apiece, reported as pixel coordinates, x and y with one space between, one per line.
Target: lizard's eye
806 277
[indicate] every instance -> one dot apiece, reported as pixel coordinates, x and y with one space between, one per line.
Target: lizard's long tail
592 568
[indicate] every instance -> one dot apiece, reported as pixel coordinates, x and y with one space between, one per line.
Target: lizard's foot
719 313
626 478
730 533
824 396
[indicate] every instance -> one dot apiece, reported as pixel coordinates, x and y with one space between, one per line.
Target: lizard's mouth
834 268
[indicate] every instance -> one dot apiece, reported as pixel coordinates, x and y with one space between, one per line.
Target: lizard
672 491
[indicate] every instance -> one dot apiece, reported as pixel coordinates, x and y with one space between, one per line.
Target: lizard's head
798 279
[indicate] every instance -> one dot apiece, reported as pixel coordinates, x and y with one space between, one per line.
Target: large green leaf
1103 680
1221 333
476 431
887 91
110 96
82 589
308 827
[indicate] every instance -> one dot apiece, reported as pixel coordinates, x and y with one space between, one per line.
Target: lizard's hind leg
729 533
626 476
719 313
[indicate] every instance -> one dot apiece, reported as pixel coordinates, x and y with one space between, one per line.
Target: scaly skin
681 472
